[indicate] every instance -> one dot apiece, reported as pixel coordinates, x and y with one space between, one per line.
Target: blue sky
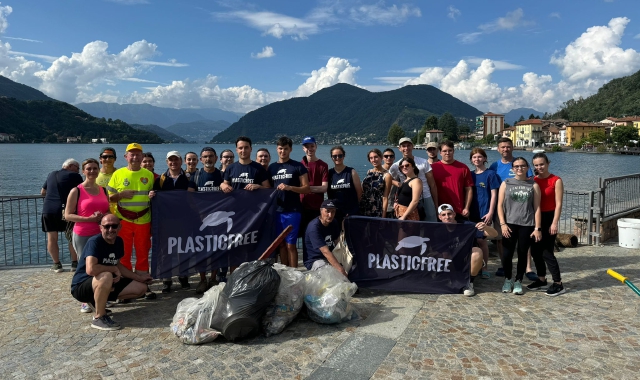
236 55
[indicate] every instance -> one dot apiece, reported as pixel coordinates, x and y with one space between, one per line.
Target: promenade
592 331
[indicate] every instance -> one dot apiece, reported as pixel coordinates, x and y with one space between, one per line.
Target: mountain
161 132
620 97
12 89
512 116
347 113
147 114
54 121
199 131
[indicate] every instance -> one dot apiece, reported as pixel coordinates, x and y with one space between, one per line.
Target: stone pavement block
360 353
392 317
324 373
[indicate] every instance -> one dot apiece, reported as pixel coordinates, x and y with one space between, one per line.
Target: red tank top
548 192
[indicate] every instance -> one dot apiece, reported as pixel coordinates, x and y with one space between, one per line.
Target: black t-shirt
317 236
206 181
107 254
342 190
65 181
241 175
288 173
449 240
180 183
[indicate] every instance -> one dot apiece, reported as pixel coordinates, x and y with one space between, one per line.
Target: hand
537 235
251 187
96 217
465 212
282 186
126 194
341 270
553 230
145 278
480 226
116 275
487 219
226 188
152 194
506 231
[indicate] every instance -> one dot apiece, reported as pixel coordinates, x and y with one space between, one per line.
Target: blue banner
202 231
406 256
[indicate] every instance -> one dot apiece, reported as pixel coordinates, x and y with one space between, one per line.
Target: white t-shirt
423 166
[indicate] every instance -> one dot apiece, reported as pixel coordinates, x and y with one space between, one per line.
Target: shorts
285 219
84 291
53 223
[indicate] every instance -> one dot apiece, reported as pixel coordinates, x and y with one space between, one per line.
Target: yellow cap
133 146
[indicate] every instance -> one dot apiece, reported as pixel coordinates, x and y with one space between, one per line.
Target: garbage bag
249 290
191 323
327 296
288 301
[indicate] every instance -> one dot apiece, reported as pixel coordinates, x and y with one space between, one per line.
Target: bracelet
503 224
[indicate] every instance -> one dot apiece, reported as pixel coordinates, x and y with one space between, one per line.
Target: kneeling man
320 239
447 215
101 277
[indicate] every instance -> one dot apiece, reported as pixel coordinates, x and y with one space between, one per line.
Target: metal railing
619 196
577 217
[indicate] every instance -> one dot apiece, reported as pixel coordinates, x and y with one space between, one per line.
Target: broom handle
276 243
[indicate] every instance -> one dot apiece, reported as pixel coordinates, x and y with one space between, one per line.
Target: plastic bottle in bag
288 300
192 320
327 296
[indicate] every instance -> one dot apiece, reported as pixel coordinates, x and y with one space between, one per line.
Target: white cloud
138 80
554 15
337 70
170 63
394 80
267 52
499 65
411 70
469 38
274 24
379 14
47 58
637 36
453 12
508 22
596 53
4 12
22 39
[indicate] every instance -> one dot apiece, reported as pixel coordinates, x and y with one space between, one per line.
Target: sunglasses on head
336 156
389 156
110 226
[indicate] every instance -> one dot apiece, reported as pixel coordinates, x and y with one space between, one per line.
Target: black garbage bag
244 300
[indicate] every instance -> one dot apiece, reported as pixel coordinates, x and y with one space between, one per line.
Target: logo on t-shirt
144 180
126 182
217 218
242 178
341 185
282 174
412 242
111 260
329 241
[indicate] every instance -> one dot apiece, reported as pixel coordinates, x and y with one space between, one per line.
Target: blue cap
308 140
328 203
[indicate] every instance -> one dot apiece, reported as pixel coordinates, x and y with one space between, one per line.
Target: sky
495 55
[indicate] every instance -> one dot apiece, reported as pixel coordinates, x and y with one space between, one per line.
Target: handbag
342 254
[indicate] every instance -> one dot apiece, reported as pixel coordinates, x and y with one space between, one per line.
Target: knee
476 255
104 279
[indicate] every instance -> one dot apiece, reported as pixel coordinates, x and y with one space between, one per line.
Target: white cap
444 207
173 153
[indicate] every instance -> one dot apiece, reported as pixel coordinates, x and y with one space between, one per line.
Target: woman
375 187
552 191
191 160
485 196
226 159
344 186
86 204
410 191
108 159
149 163
388 156
520 219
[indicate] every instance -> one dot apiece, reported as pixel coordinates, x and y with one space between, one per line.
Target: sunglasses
389 156
110 226
337 156
107 157
404 166
520 166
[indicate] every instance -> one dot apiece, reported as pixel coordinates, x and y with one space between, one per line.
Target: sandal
486 275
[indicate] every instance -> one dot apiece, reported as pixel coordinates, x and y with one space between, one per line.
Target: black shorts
84 291
53 223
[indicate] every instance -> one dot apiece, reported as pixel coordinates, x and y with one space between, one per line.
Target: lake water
25 166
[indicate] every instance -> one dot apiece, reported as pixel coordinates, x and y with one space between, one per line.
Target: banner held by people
408 256
207 230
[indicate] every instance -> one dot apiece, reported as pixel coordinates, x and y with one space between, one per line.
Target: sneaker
85 308
500 272
556 290
74 266
57 267
184 282
508 286
166 286
149 295
202 287
538 285
517 287
468 291
105 323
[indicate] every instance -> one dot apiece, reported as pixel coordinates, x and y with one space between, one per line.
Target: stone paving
592 331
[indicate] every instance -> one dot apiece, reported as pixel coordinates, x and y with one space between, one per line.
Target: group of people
108 212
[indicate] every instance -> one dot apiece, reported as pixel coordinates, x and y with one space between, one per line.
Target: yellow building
528 133
510 133
578 130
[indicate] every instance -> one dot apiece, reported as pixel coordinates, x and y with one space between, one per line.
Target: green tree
597 137
449 126
579 143
532 116
520 119
395 134
622 134
431 123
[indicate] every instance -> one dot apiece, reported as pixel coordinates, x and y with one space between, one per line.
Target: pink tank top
87 205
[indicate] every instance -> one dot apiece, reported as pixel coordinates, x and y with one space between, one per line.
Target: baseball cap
308 140
134 146
404 140
445 207
328 203
432 145
108 148
173 153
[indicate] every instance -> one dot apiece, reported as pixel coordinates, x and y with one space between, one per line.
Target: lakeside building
492 124
434 135
510 133
579 130
528 133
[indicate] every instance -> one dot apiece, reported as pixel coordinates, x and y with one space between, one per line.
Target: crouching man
320 239
101 277
448 216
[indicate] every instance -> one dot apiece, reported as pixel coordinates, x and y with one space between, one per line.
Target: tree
395 134
431 123
597 137
520 119
449 126
532 116
507 125
623 134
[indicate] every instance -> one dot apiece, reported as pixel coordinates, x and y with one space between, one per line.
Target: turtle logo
209 184
340 181
282 171
243 175
126 182
112 256
412 242
217 218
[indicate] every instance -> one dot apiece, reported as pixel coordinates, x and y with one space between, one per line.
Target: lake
25 166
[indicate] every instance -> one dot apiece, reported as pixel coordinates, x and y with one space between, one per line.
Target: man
191 159
129 188
503 170
101 277
388 156
244 174
55 191
432 153
291 179
429 189
447 215
206 179
320 239
453 178
318 173
107 160
173 179
263 157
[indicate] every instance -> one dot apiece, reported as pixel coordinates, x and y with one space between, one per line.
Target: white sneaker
85 308
468 291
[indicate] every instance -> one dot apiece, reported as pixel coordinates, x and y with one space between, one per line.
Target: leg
484 247
536 253
430 210
52 246
73 252
524 242
508 248
132 290
476 261
142 242
126 233
293 255
102 285
284 254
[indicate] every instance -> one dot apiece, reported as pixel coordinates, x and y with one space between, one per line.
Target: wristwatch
538 229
